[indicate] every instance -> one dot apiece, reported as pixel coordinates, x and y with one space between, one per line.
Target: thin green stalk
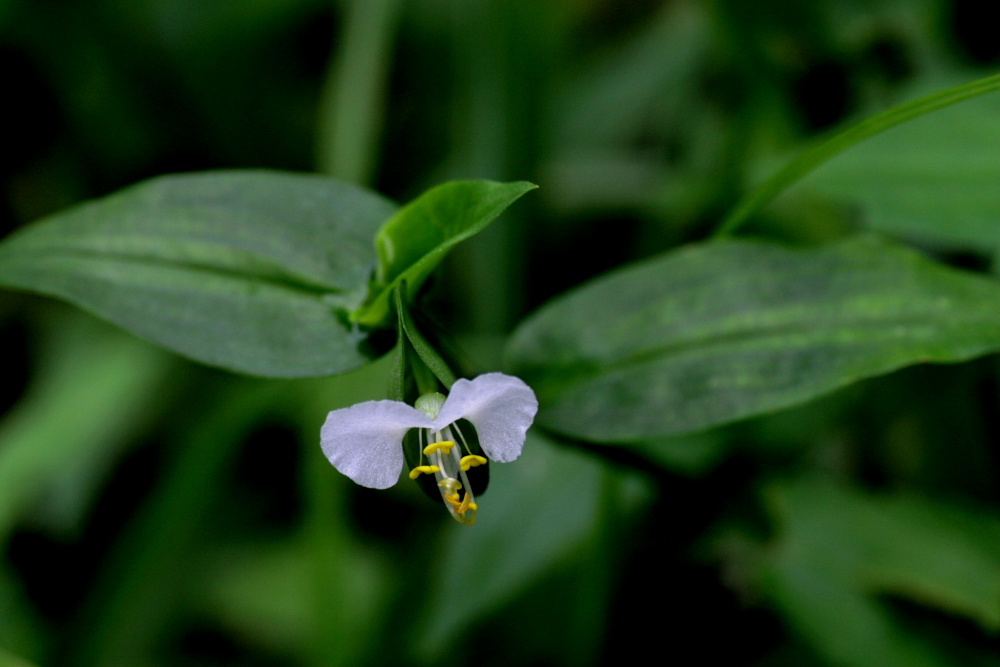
597 567
330 638
346 582
354 92
425 351
841 141
484 136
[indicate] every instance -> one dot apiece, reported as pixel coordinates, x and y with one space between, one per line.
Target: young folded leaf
415 240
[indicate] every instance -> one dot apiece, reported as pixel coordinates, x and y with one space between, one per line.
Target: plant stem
354 92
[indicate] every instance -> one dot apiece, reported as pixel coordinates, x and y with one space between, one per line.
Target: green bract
417 238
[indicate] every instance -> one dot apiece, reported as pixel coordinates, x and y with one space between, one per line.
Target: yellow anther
470 461
416 472
464 511
445 447
461 507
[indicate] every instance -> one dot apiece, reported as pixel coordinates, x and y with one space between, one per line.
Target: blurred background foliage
155 512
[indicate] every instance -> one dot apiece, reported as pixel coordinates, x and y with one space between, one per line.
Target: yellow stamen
464 506
445 447
463 511
429 470
470 461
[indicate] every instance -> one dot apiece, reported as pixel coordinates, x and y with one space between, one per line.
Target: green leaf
415 240
843 626
931 179
11 660
844 139
935 554
715 332
252 271
838 549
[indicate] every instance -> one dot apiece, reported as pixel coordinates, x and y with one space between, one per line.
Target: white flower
365 441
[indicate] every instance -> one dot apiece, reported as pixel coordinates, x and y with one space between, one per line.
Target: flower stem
426 353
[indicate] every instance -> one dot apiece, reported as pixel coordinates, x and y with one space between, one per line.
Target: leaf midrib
574 373
273 278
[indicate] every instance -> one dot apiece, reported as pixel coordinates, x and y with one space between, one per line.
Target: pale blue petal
365 440
501 407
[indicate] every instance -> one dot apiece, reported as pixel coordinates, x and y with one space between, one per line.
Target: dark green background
157 512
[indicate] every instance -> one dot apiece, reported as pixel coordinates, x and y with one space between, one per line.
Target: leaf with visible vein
716 332
252 271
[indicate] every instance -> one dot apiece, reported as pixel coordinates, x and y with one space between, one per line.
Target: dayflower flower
365 441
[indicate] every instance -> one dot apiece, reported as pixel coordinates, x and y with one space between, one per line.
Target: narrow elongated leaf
847 138
412 244
841 623
715 332
838 550
933 178
252 271
938 554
